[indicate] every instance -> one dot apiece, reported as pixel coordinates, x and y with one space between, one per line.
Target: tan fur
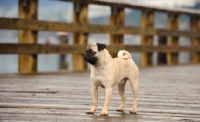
124 54
109 72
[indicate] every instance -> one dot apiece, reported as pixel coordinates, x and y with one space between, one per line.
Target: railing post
117 18
147 21
195 26
80 15
28 9
161 56
173 24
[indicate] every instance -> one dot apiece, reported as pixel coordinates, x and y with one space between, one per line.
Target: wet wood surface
165 94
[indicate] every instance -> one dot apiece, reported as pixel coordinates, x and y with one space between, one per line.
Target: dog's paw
133 112
90 112
103 113
119 110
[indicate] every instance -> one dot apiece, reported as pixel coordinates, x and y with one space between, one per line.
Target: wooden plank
161 57
23 24
176 33
113 22
80 16
147 20
6 48
68 112
39 48
85 107
77 117
59 94
28 10
82 112
68 101
138 6
117 18
28 24
195 26
173 24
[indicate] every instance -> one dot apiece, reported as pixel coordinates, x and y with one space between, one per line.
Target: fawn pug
108 72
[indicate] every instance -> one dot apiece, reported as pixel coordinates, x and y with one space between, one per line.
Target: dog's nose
84 55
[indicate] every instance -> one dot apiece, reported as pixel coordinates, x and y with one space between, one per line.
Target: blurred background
60 11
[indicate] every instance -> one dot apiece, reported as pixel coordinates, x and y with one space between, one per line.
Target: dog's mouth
89 58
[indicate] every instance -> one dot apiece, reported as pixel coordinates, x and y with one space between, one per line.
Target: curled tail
124 54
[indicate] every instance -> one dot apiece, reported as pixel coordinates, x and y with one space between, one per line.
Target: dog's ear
101 46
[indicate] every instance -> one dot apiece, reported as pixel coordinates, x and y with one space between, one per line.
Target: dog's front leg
94 93
104 111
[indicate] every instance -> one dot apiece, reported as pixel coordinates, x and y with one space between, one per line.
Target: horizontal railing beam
6 48
28 24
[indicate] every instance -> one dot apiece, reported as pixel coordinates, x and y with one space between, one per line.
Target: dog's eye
93 53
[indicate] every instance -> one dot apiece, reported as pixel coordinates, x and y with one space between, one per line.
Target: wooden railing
28 27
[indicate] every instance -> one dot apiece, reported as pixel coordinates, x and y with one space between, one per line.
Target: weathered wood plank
6 48
111 108
80 15
72 102
28 10
195 26
116 19
173 24
28 24
89 118
80 114
62 95
8 23
147 20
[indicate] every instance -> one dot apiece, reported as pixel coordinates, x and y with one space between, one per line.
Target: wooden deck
165 94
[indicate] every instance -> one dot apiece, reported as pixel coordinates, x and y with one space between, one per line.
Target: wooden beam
147 20
173 24
28 10
195 26
117 18
161 57
40 49
33 49
80 13
28 24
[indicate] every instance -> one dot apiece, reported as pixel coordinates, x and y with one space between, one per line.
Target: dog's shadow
113 115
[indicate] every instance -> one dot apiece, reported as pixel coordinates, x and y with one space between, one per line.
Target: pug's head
93 53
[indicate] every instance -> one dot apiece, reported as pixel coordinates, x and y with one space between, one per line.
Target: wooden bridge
166 93
28 27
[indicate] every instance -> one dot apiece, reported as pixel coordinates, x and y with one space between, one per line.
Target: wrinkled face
92 51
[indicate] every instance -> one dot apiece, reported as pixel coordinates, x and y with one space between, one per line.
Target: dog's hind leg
121 90
134 86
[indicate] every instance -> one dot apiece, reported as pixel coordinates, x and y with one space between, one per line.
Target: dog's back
125 64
